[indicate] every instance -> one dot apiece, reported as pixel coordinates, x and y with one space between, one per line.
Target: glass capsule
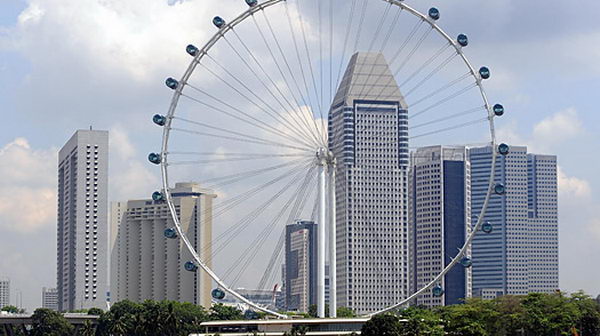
157 196
434 13
192 50
251 3
154 158
487 227
503 149
160 120
463 40
218 22
218 294
499 189
484 72
437 291
170 233
498 110
172 83
190 266
466 262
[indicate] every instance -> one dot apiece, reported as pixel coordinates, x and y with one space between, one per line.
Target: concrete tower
368 132
82 227
148 266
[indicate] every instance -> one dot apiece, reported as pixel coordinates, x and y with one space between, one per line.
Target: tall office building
50 298
148 266
300 265
521 254
4 293
368 132
542 193
82 228
440 221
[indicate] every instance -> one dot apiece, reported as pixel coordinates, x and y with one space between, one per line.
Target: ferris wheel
288 102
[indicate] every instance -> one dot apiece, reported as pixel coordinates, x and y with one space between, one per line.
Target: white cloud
28 184
570 187
129 176
561 126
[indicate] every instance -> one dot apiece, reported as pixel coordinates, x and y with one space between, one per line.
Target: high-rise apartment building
148 266
82 227
440 221
50 298
368 132
4 293
521 254
300 265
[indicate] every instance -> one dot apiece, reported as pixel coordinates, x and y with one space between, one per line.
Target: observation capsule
250 315
487 227
437 291
498 110
434 13
157 196
466 262
172 83
170 233
192 50
190 266
503 149
499 189
463 40
218 22
154 158
160 120
218 294
252 3
484 72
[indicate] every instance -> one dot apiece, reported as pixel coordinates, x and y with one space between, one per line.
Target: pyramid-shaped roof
368 77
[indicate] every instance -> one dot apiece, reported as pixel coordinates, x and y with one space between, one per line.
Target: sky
71 64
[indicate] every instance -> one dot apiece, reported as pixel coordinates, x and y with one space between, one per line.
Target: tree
88 329
419 322
345 312
468 319
549 314
13 310
589 322
46 322
220 312
382 325
95 311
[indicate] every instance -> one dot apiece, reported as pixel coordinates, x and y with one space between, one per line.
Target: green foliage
221 312
471 319
345 312
549 314
419 322
46 322
297 331
95 311
13 310
382 325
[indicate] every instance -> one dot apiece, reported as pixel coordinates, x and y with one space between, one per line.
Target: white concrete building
145 264
440 221
50 298
368 128
4 293
82 225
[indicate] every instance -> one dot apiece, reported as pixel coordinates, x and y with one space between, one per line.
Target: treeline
126 318
531 315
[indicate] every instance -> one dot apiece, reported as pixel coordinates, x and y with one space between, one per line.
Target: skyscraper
368 132
82 228
521 254
148 266
542 193
440 212
50 298
4 293
300 265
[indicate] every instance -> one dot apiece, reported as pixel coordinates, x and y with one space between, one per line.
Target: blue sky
69 64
